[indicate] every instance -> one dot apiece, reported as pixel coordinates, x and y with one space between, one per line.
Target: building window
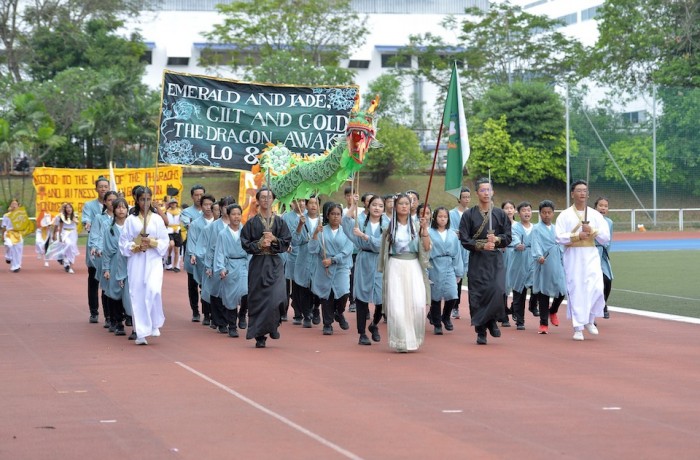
590 13
639 116
178 61
358 64
567 20
392 60
534 4
147 57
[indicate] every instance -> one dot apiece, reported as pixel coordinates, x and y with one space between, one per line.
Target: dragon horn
374 104
356 107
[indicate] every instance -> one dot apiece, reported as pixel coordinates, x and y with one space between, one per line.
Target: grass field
665 282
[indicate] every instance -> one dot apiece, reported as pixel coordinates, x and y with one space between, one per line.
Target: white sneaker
141 341
590 327
578 335
70 270
155 332
46 263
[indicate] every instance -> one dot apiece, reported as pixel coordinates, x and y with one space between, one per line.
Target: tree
399 154
290 41
645 42
392 102
535 113
500 46
634 157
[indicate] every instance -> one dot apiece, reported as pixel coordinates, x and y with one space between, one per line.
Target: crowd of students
392 254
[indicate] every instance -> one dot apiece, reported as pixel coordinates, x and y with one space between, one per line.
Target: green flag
458 139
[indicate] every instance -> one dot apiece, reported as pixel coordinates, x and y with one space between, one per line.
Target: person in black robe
482 230
265 236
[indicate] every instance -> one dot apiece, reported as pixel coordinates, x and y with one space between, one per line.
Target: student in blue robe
522 264
94 245
114 280
231 267
446 269
331 252
601 205
187 217
291 218
196 250
367 288
211 284
549 279
304 264
465 197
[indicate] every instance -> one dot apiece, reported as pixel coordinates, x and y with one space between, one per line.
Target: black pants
518 305
362 313
308 300
545 309
217 311
607 287
93 287
293 292
436 315
117 314
332 306
244 307
459 294
352 278
193 293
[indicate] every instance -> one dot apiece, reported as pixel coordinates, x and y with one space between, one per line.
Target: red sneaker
553 319
543 329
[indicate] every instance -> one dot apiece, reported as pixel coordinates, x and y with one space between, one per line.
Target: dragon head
361 129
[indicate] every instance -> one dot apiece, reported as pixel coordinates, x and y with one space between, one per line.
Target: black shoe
493 329
316 318
364 340
520 327
93 319
430 318
132 336
60 261
505 323
535 311
222 329
437 330
296 321
447 323
374 330
66 268
283 318
128 322
212 325
106 324
606 313
112 327
195 318
306 323
120 331
342 321
352 308
275 335
260 342
206 321
8 261
481 338
327 330
232 332
242 323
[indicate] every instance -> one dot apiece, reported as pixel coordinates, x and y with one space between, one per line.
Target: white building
175 38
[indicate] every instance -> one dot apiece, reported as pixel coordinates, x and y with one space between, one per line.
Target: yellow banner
55 186
20 221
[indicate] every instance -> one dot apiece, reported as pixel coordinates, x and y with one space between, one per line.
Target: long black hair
115 204
374 198
434 223
138 192
391 234
104 204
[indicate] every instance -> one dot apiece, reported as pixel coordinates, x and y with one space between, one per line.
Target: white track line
273 414
659 295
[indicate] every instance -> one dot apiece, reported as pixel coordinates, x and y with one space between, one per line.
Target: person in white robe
578 228
14 243
144 241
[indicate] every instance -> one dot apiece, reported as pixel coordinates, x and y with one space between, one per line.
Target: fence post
632 221
680 219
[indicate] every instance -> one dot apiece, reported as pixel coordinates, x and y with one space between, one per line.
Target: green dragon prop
292 176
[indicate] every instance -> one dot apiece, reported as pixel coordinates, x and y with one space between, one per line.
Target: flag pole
432 170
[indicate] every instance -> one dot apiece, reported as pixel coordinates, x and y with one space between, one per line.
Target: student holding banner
91 210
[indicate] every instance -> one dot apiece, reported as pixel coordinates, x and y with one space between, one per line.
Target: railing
643 219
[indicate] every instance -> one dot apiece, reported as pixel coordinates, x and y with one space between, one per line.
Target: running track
71 390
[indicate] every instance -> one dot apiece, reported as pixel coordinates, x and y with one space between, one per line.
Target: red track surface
649 235
71 390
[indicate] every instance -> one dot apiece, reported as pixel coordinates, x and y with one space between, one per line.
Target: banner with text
55 186
222 123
